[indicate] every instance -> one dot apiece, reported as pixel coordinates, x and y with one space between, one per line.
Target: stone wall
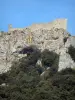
58 23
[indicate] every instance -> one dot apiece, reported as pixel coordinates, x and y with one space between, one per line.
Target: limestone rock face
65 60
70 41
50 39
9 44
53 39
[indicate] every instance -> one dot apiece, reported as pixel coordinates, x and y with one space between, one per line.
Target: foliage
65 39
59 87
24 82
50 59
3 78
71 51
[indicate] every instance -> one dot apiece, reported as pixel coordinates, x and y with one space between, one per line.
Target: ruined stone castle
58 23
35 34
45 36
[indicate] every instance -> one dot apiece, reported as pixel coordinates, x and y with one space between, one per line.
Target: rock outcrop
55 39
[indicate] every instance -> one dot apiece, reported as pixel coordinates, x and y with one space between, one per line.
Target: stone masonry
58 23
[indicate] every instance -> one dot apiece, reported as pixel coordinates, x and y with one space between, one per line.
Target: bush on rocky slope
71 51
23 81
50 59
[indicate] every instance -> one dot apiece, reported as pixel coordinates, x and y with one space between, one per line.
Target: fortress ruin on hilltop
58 23
52 36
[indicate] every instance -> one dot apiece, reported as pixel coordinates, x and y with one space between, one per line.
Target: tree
50 59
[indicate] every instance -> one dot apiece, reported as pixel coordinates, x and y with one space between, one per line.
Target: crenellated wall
58 23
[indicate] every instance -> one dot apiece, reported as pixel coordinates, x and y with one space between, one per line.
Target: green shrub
71 51
50 59
24 82
67 71
58 87
47 58
3 78
65 39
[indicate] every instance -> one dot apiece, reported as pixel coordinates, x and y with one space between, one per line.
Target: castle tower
60 23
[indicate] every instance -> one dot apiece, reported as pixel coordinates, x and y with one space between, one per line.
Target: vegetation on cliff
23 81
71 51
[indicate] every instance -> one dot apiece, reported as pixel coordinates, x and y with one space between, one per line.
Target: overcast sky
22 13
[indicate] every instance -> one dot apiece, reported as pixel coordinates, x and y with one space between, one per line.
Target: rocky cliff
55 39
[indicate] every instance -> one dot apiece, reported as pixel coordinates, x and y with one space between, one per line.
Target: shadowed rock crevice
71 51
